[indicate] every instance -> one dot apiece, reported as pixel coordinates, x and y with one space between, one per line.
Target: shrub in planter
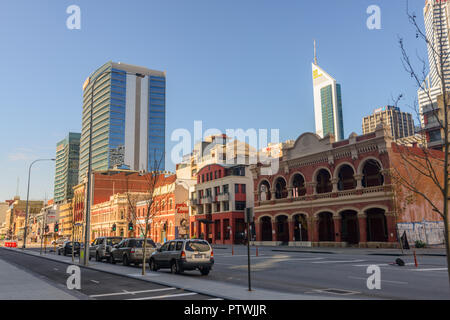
420 244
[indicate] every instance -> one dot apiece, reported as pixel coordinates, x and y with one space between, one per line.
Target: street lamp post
28 194
89 172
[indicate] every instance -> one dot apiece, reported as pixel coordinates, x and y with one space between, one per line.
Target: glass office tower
66 167
128 119
327 104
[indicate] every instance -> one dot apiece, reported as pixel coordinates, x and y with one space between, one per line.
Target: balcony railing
224 196
329 195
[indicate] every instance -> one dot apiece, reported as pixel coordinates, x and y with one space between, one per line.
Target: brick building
218 201
329 193
104 185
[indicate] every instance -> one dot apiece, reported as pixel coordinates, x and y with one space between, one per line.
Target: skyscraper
128 118
327 103
67 162
400 123
436 15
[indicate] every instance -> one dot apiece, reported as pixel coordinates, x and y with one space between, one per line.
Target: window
165 246
243 188
197 245
236 188
240 205
170 204
215 174
172 245
225 188
179 245
226 206
210 176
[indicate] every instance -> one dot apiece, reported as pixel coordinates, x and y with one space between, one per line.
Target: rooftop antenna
315 53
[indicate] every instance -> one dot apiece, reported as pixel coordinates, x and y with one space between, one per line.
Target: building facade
218 202
330 193
128 118
67 163
104 185
436 16
327 104
401 124
15 217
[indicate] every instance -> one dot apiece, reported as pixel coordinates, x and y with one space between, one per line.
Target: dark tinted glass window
165 246
179 245
172 246
197 245
150 243
113 241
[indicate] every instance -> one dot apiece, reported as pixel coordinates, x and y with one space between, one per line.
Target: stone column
272 194
274 229
391 226
290 194
358 178
314 234
337 228
362 221
258 230
311 188
291 223
335 181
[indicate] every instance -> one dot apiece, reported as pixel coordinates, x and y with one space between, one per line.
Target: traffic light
130 226
56 229
114 227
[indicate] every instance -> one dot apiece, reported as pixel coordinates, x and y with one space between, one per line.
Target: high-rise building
67 162
128 119
400 124
327 103
436 15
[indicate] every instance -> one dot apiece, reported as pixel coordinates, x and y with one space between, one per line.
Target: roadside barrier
415 259
11 244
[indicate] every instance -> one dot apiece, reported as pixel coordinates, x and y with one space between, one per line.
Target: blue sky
232 64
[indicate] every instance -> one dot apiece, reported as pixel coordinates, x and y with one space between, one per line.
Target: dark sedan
66 248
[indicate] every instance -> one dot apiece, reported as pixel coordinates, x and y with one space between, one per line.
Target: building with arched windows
329 193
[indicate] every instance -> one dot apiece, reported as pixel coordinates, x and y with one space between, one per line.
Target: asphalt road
305 272
331 275
96 284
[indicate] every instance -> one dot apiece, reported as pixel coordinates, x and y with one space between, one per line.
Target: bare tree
425 165
152 178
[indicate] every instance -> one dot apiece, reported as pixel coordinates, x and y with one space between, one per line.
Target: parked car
66 248
101 247
183 254
131 250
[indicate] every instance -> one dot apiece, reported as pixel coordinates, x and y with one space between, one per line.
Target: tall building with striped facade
436 15
66 167
327 103
128 118
400 124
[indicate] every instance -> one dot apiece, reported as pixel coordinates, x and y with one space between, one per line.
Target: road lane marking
380 264
130 292
338 261
216 299
95 281
166 296
390 281
430 269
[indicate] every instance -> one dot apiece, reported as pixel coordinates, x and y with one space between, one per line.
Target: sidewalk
437 251
16 284
187 282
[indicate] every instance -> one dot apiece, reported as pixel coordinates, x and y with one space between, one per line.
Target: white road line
390 281
216 299
336 261
430 269
95 281
166 296
240 255
129 292
380 264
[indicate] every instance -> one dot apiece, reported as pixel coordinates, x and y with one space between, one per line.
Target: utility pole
248 220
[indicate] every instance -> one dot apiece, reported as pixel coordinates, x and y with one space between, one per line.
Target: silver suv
183 254
102 246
